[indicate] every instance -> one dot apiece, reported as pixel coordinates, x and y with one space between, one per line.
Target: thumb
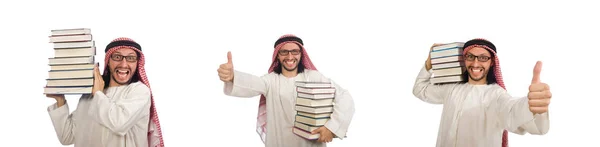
536 72
316 131
229 57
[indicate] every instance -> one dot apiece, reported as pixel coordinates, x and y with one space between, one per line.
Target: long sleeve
343 111
120 115
515 115
428 92
246 85
63 123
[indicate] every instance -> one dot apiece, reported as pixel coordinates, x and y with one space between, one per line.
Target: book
70 82
314 110
446 53
318 90
312 115
75 52
313 84
447 46
313 102
68 90
446 59
311 121
71 74
71 60
448 71
65 45
305 134
72 66
71 38
305 127
316 96
65 32
447 65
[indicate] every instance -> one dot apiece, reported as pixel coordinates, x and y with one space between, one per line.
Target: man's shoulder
138 86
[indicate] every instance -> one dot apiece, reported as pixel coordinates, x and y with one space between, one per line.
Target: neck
112 83
289 74
480 82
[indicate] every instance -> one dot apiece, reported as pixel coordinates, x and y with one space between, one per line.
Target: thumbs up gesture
539 93
226 70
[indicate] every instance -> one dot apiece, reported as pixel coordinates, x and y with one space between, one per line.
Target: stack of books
72 67
314 105
447 63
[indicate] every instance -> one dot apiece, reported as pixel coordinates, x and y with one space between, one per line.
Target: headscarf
483 43
154 132
261 124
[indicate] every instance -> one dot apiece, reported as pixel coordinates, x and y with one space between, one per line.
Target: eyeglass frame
477 57
126 58
299 51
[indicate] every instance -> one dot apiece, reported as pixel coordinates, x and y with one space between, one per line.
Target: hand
428 62
226 70
98 81
325 135
60 98
539 93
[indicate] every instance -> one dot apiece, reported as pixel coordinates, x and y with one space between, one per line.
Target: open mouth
476 70
289 63
122 73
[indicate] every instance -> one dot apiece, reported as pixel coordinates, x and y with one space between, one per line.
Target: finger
229 58
222 70
222 75
538 109
223 79
225 72
316 131
226 66
539 102
539 95
536 72
539 87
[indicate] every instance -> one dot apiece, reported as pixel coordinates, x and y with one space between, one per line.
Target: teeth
121 71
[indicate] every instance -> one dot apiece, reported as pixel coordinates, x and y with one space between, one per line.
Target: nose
122 63
476 62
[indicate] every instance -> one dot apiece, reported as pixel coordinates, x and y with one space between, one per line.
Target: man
120 111
290 63
476 113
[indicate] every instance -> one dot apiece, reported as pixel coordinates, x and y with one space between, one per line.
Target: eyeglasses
471 57
127 58
286 52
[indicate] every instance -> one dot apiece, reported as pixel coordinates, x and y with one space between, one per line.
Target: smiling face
122 66
478 62
289 57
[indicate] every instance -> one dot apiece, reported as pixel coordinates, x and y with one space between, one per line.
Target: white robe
476 115
118 118
280 93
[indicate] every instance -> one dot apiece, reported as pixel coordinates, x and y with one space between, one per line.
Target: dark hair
491 77
300 67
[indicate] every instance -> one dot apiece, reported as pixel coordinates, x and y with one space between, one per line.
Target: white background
373 49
